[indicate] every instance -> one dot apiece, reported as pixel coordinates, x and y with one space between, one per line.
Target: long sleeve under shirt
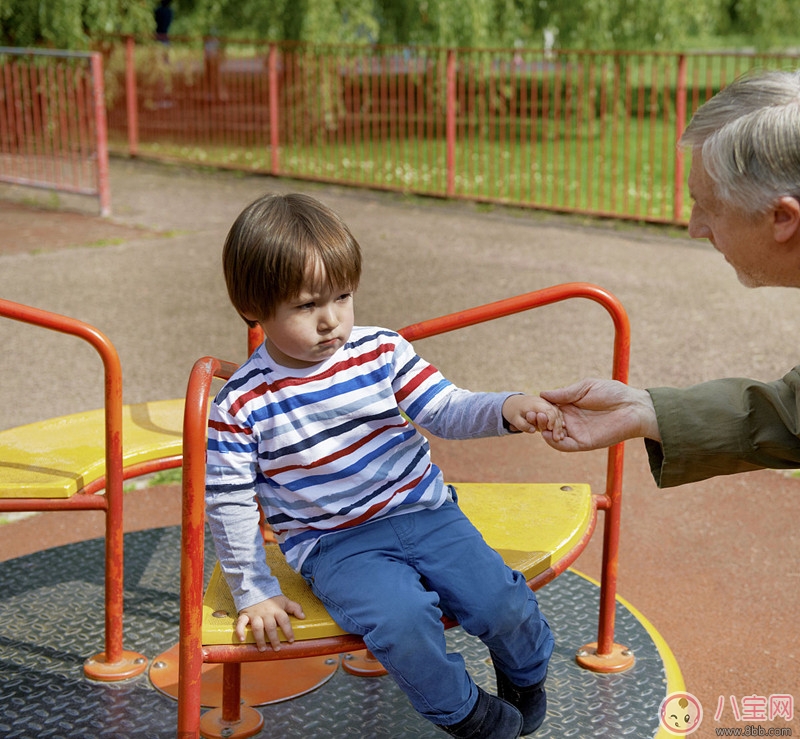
327 448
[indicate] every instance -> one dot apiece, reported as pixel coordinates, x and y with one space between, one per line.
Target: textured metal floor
51 618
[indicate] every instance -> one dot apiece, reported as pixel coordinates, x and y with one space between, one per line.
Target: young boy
315 428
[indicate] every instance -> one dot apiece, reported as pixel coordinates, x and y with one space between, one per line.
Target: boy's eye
345 296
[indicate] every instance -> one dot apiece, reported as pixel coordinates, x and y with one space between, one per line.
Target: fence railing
573 131
53 122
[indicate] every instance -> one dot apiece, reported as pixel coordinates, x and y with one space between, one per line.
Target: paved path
712 565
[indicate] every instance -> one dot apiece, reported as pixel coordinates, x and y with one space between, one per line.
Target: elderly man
745 184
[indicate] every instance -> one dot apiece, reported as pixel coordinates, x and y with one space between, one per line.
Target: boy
315 427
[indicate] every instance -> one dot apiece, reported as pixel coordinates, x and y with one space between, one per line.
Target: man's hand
600 413
265 618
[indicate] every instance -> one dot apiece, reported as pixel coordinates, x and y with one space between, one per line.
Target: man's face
744 240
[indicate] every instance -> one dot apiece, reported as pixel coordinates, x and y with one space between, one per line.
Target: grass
622 168
165 477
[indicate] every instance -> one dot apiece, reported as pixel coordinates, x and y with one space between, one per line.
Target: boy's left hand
531 414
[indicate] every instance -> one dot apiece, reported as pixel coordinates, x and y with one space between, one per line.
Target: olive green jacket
725 426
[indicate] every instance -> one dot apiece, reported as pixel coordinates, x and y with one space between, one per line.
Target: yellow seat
58 457
558 516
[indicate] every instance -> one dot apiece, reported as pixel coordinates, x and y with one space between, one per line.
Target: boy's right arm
232 511
265 618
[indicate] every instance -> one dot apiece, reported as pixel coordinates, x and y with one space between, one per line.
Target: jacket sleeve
725 426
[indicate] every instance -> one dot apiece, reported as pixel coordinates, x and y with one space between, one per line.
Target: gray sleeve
463 414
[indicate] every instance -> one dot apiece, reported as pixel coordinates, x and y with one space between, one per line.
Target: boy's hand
531 414
265 618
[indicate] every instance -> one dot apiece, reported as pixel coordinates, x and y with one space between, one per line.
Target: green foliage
763 23
320 21
591 24
70 24
624 24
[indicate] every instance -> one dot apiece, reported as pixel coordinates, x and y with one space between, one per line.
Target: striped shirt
327 448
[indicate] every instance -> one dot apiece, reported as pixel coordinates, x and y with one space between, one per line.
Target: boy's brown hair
276 246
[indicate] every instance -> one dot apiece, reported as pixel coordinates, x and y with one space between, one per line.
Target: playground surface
712 565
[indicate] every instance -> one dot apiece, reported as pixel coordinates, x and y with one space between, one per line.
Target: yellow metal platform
57 457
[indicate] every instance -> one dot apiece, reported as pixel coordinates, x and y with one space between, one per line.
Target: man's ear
786 219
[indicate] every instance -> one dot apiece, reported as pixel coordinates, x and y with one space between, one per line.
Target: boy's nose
328 317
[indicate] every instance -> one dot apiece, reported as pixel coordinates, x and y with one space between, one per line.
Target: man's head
749 135
745 176
279 244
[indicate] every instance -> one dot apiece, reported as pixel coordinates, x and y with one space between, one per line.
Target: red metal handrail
611 502
112 502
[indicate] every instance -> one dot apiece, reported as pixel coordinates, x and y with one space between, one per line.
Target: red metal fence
53 122
572 131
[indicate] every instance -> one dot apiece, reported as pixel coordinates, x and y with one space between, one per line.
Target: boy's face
310 328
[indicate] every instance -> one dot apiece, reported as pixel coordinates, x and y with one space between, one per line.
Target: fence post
450 122
680 122
274 133
131 96
101 135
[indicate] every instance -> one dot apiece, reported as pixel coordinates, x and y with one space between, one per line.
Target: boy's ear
786 219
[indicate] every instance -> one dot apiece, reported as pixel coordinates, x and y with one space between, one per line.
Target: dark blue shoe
491 718
530 701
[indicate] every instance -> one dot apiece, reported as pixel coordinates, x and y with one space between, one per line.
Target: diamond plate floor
51 618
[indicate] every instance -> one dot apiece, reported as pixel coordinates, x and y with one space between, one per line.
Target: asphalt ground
712 565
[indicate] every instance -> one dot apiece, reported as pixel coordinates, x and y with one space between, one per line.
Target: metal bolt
627 653
566 488
139 660
582 653
220 614
158 665
330 661
226 732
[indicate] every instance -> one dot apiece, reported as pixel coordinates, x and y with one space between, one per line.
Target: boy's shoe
491 718
531 701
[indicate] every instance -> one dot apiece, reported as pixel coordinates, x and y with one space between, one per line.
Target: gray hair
749 135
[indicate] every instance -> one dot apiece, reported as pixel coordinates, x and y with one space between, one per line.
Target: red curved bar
622 342
112 502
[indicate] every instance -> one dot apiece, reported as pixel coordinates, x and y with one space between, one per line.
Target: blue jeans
391 581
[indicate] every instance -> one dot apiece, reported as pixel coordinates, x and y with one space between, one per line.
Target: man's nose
696 229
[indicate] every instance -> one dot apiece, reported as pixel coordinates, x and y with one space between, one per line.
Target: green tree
320 21
70 24
624 24
598 24
763 24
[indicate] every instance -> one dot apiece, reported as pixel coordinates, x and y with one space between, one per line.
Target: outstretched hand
600 413
531 414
